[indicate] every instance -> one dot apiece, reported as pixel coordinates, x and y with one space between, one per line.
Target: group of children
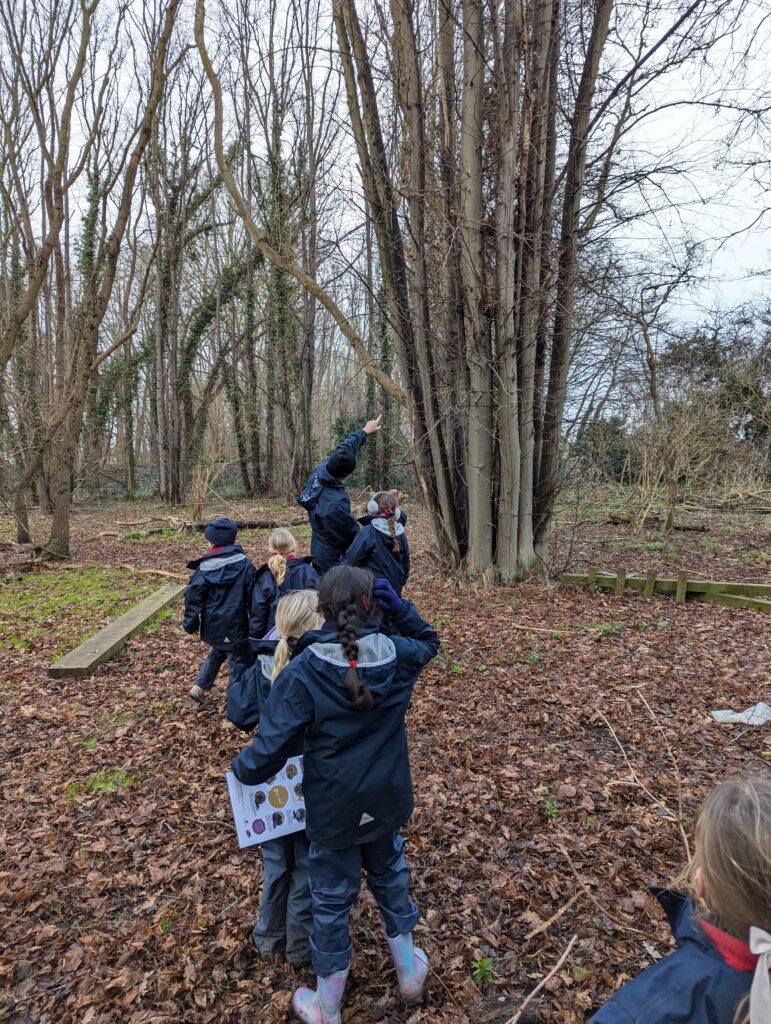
323 654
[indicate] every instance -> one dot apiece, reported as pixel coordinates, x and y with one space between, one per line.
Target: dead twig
638 781
542 982
678 777
555 917
154 572
603 910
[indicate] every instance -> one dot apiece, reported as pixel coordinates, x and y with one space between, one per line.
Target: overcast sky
716 199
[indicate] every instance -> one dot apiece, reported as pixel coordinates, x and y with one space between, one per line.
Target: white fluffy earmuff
372 507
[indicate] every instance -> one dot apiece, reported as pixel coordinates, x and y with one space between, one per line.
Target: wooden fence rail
756 596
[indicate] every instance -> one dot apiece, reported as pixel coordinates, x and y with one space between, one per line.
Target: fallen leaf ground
558 773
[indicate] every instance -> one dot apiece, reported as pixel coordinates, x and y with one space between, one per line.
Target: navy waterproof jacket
693 985
357 781
247 696
218 597
300 575
373 549
326 501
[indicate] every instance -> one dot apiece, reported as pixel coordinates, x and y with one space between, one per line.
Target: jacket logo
365 819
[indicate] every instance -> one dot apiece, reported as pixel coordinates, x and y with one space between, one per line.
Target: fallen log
248 524
619 519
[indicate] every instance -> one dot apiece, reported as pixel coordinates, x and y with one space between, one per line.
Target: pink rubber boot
323 1005
411 968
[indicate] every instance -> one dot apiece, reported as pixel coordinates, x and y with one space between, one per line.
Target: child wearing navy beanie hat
221 532
217 603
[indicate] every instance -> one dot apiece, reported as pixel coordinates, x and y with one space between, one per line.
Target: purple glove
386 597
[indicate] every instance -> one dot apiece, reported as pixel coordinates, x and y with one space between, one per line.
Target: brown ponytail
387 504
345 595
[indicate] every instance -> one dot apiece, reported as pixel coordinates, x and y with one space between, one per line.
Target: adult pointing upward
326 501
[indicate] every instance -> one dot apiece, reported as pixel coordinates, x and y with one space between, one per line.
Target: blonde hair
281 542
733 850
296 613
388 500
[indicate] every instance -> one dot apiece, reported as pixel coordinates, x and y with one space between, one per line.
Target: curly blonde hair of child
296 613
281 543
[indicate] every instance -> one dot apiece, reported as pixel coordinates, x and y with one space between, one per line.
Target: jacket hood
266 665
682 919
311 491
381 525
222 566
376 662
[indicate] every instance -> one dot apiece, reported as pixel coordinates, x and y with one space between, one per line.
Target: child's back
282 574
341 702
217 602
381 545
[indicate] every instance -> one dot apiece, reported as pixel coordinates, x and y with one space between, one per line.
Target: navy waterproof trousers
285 909
237 659
335 877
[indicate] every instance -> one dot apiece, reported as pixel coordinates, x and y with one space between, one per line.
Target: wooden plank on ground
754 604
108 641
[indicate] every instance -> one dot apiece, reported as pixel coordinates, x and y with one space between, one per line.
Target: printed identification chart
273 809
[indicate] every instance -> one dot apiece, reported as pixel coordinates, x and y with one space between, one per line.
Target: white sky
716 199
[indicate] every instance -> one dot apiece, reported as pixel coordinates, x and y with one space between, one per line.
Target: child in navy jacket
381 546
217 602
326 501
724 956
284 924
341 702
281 574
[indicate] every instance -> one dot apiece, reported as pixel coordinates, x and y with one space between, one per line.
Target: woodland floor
556 773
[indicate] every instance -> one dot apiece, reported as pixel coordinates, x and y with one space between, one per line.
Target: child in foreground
282 573
284 924
217 602
381 546
326 501
724 955
341 702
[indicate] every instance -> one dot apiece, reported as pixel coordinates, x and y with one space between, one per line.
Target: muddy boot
323 1005
411 968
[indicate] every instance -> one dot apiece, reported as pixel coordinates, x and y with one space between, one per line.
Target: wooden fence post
682 586
650 583
618 590
591 581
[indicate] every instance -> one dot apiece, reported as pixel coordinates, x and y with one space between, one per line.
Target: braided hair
387 505
345 595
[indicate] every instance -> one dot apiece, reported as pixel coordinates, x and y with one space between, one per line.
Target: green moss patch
64 605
